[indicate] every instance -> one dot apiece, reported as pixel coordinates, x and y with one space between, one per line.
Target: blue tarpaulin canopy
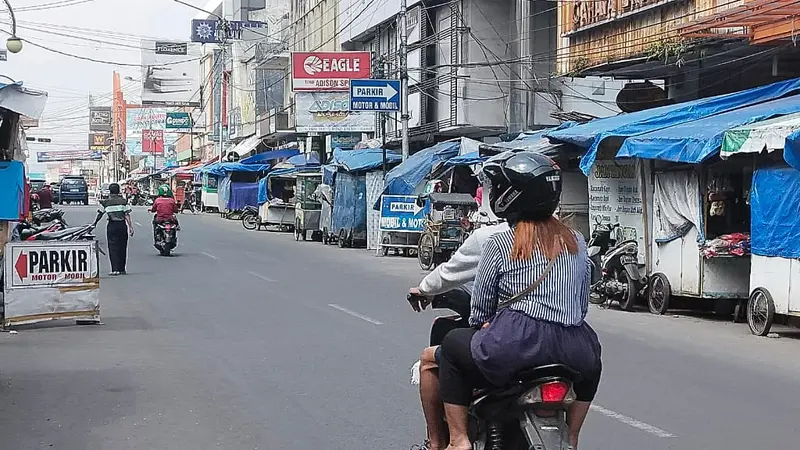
271 155
695 141
590 135
228 167
405 178
775 230
362 160
791 150
303 160
467 159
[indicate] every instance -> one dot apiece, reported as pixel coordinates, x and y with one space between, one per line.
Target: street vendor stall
308 208
687 211
775 269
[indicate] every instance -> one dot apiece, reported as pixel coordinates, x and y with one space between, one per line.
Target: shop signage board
69 155
328 71
99 142
153 141
329 112
178 121
375 95
615 196
209 31
401 213
51 280
100 118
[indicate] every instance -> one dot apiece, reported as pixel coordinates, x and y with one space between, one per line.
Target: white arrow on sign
417 208
387 92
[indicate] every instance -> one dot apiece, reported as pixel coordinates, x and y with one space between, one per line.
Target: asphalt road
249 340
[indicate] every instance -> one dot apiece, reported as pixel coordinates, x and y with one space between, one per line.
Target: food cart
446 227
308 208
278 207
349 215
775 269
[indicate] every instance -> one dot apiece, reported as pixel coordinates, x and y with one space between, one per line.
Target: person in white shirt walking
457 273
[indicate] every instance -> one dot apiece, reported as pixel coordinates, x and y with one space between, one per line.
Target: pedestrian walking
119 228
188 197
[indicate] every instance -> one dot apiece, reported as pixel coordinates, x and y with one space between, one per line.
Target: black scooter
615 275
528 413
166 237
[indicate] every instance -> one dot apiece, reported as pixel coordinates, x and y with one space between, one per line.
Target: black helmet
524 185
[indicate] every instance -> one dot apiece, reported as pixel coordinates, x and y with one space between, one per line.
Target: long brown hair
550 237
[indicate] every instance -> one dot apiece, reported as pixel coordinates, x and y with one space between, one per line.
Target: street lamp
13 44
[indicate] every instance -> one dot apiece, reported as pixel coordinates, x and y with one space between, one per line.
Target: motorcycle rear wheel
249 221
628 299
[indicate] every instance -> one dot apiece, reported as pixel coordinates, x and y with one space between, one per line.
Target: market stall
277 195
775 269
686 210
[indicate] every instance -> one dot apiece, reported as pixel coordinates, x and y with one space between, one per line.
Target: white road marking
137 224
630 421
209 255
355 314
261 276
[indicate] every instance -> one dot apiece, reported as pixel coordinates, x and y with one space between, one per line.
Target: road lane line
355 314
209 255
630 421
137 224
261 277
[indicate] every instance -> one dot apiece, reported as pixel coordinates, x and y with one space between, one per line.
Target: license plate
628 259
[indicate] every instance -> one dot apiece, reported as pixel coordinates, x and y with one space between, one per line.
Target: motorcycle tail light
552 393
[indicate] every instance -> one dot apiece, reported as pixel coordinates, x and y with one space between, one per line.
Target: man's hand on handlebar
418 300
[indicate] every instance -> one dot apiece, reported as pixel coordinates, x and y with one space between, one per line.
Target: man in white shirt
457 273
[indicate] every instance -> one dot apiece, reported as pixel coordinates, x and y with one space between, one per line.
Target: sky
105 30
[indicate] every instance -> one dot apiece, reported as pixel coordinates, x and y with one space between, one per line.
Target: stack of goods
734 244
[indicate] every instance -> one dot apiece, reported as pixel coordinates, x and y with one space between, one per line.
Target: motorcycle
35 202
615 275
58 233
48 215
250 217
528 413
166 237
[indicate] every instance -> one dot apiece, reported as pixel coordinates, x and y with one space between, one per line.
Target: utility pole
224 44
403 19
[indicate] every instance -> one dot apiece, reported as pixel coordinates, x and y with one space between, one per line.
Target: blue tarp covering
362 160
791 150
695 141
775 230
405 178
350 204
591 134
224 192
328 174
466 159
228 167
307 159
272 155
243 194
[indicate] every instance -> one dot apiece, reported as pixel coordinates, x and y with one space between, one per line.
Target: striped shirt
116 208
562 297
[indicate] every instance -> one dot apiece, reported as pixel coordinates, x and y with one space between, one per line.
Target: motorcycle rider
165 208
457 273
545 261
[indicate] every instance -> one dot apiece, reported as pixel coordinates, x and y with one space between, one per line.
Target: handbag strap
530 288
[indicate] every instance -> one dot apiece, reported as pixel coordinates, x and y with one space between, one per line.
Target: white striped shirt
562 297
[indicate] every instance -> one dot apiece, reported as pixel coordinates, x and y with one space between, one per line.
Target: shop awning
769 135
271 155
761 21
697 140
590 135
246 146
22 100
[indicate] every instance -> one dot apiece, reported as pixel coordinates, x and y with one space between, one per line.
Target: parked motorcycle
48 215
616 267
58 233
250 217
166 237
530 412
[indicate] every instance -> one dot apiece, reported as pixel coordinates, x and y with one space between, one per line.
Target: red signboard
153 141
328 71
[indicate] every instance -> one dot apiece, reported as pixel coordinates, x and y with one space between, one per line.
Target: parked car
74 189
104 192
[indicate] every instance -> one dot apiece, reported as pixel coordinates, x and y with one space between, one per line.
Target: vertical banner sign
328 71
100 118
153 141
615 196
